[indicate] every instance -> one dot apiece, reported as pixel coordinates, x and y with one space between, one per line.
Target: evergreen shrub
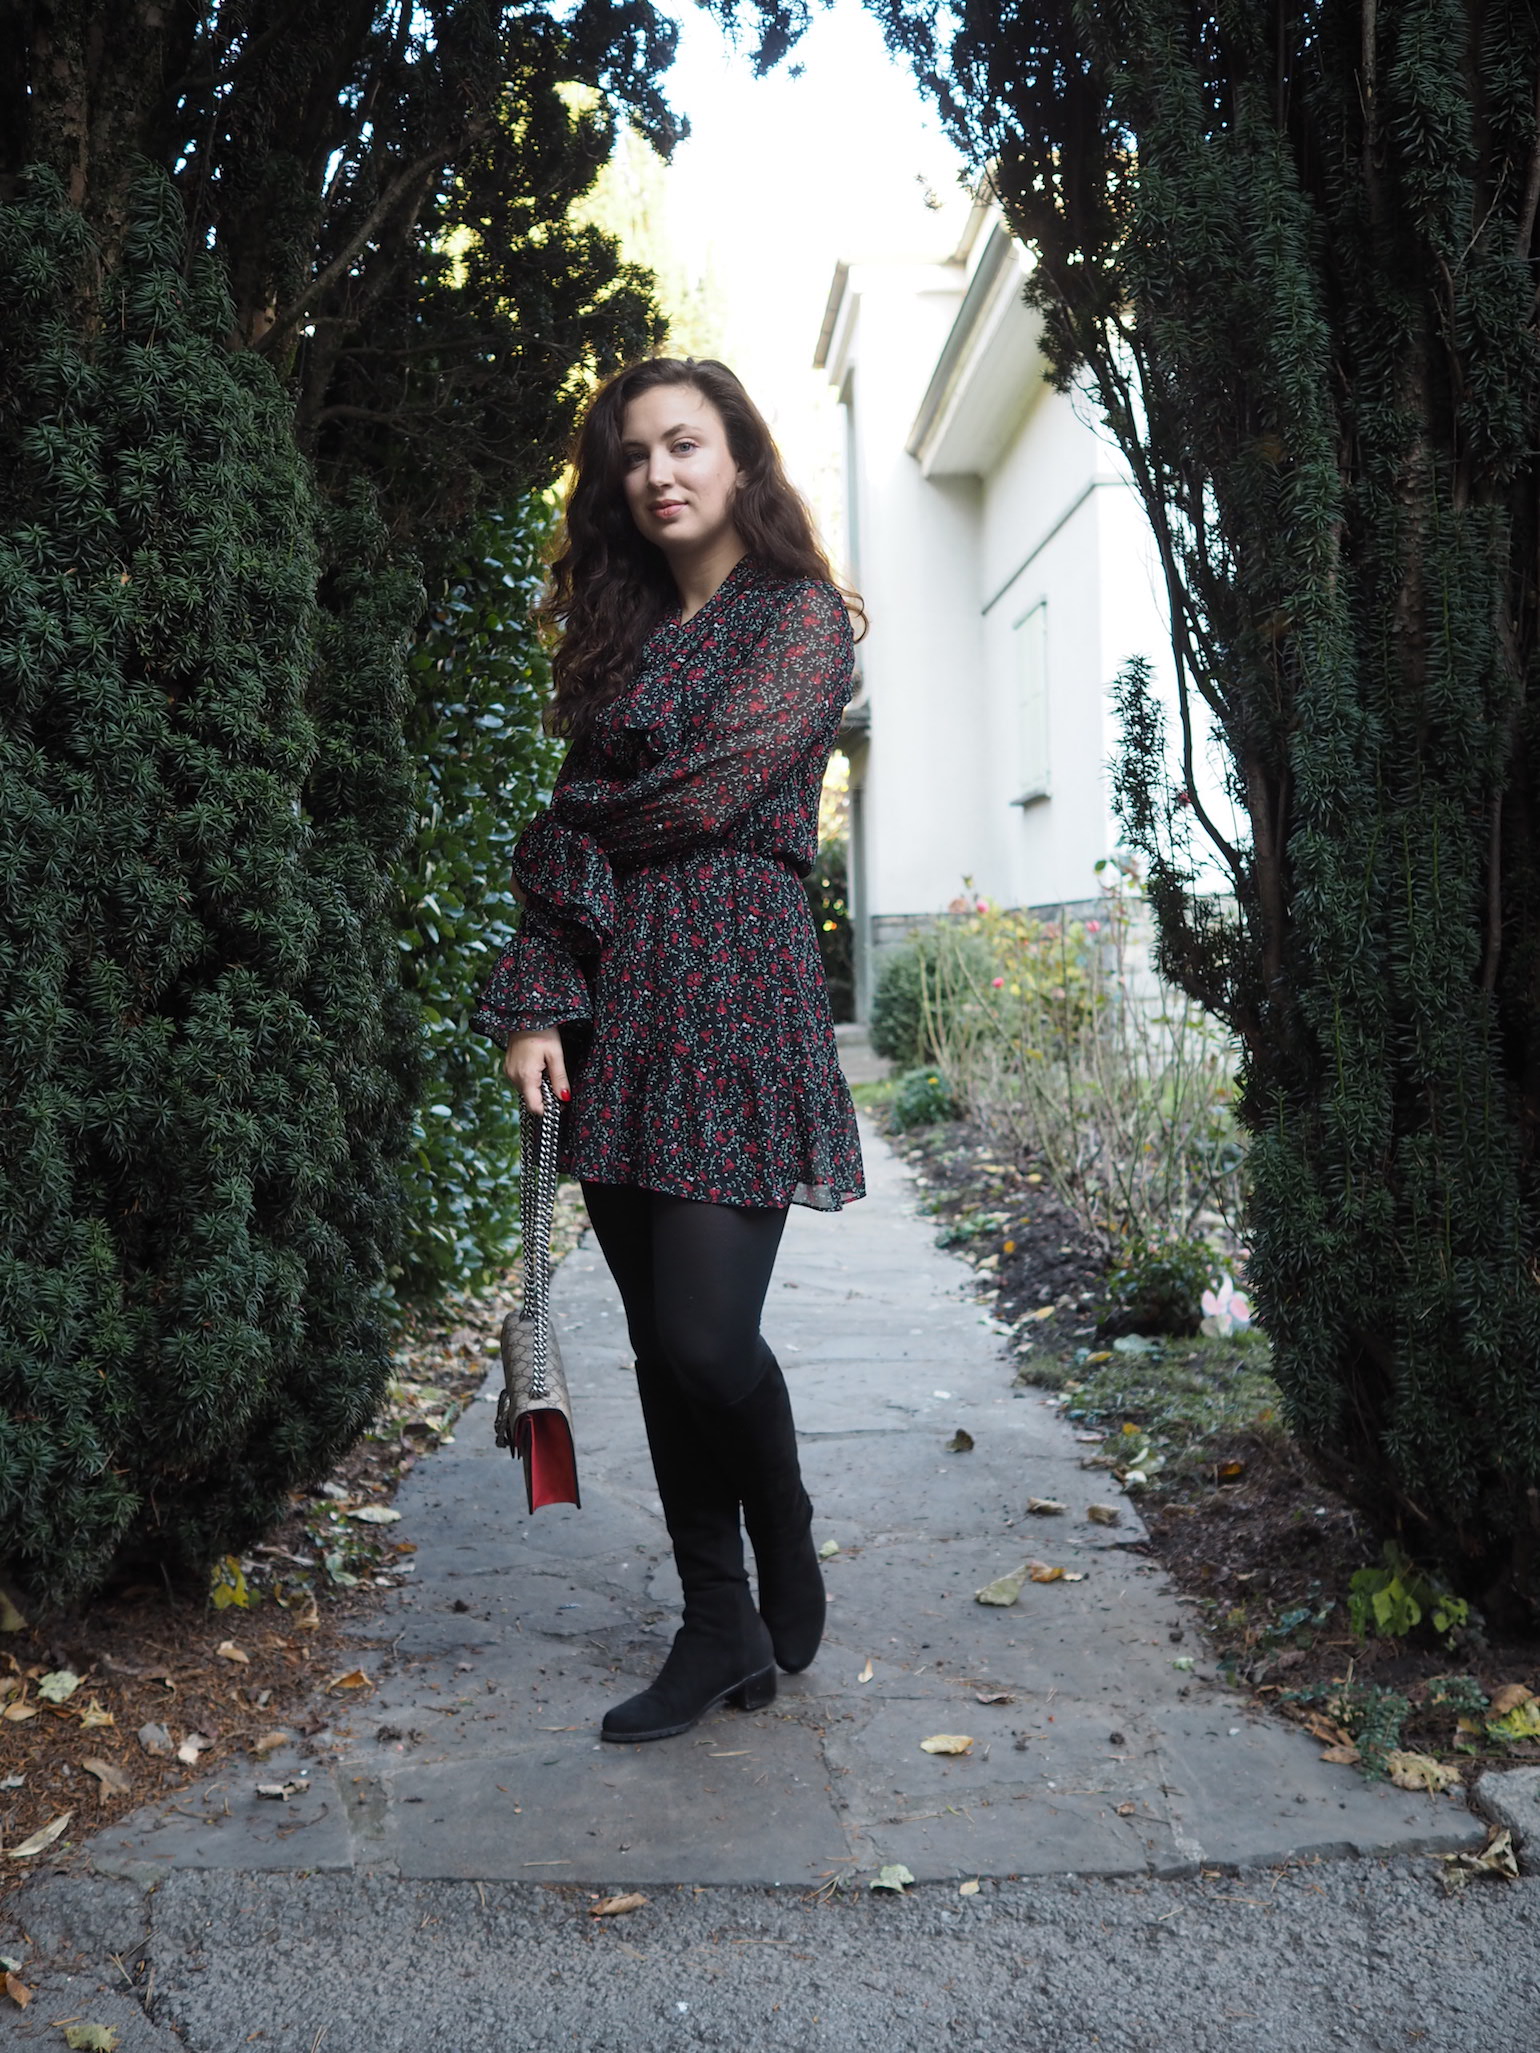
1157 1287
927 970
921 1097
896 1026
205 1061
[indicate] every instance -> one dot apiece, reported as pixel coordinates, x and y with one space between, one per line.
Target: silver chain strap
537 1133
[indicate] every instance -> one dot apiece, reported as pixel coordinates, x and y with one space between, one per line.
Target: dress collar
742 573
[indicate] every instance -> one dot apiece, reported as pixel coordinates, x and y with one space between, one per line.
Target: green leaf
1521 1723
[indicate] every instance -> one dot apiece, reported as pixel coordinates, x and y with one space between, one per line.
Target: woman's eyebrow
680 428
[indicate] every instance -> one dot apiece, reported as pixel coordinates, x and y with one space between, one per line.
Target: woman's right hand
529 1057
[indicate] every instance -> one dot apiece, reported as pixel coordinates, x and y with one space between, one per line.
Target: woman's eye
684 448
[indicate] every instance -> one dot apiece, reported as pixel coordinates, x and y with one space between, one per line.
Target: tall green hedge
481 679
203 798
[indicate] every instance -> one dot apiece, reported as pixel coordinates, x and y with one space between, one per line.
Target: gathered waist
711 852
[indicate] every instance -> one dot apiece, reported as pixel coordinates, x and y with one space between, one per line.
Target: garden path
476 1755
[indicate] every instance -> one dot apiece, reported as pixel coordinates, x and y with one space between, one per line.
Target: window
1031 656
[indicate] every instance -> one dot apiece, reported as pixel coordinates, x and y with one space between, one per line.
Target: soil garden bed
1265 1551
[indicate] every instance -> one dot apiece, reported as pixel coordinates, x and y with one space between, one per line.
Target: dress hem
817 1197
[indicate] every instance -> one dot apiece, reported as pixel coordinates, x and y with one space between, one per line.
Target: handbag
534 1412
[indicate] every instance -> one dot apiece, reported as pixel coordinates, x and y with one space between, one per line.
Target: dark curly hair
609 585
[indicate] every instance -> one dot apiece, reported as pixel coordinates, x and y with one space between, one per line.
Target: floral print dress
666 930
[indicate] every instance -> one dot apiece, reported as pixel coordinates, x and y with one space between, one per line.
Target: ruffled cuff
569 873
537 983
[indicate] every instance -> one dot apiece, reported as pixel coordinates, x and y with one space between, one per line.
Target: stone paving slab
477 1755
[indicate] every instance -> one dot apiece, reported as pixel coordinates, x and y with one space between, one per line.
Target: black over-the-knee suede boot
779 1516
723 1652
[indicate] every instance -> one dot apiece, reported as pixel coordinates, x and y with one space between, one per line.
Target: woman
666 975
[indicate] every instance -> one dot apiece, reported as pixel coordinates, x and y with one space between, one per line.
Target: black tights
692 1278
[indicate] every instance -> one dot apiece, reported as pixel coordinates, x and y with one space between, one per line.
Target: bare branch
400 188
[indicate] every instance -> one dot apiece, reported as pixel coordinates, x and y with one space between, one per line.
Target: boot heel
754 1694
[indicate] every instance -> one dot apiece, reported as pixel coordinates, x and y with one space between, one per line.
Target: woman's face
678 471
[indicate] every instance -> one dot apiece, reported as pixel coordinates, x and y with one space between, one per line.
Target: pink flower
981 905
999 983
1184 798
1093 926
1226 1309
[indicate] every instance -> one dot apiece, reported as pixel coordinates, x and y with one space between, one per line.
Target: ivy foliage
480 677
1290 248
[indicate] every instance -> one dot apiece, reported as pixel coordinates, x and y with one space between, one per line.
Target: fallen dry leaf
1495 1858
1005 1589
155 1739
350 1678
1104 1514
1420 1771
308 1617
1045 1507
993 1696
866 1672
280 1792
227 1650
894 1876
93 1716
947 1743
1125 1810
1341 1756
17 1990
1040 1572
828 1550
265 1742
961 1442
1509 1698
20 1710
92 2038
42 1839
968 1888
194 1744
1044 1312
617 1906
111 1777
1321 1727
375 1514
59 1686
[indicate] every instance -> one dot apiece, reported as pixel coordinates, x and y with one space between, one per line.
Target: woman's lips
667 509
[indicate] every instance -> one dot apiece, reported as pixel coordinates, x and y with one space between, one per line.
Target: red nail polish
565 1096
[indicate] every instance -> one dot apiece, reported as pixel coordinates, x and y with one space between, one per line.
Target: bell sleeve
538 981
785 699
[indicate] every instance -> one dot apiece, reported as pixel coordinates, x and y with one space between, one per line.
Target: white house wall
977 493
918 569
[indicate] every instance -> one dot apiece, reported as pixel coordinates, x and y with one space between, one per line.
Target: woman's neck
700 576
